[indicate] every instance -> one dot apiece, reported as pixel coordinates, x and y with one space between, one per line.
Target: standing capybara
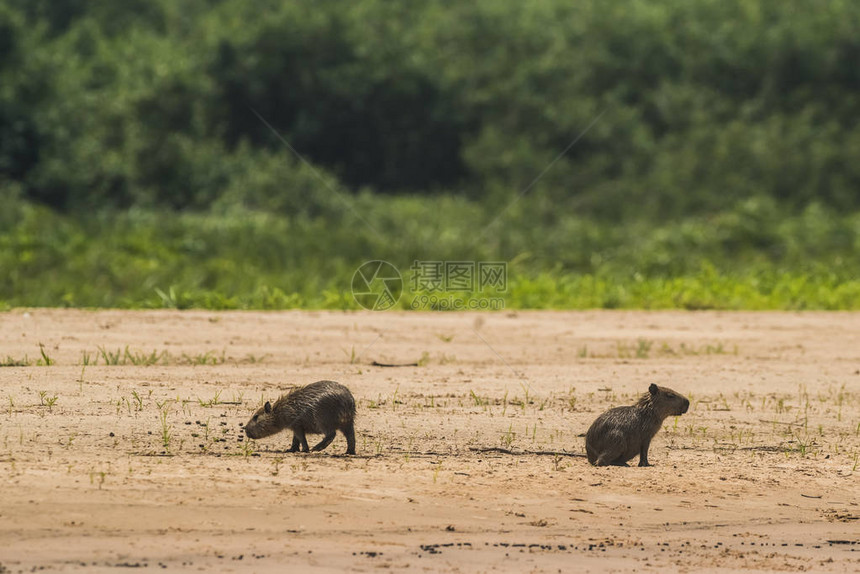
318 408
621 433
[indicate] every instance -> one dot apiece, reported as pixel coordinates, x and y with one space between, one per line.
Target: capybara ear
267 407
653 389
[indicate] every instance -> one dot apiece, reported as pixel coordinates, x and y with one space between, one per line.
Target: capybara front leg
643 453
299 435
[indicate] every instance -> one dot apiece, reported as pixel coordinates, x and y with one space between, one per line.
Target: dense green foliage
714 162
752 258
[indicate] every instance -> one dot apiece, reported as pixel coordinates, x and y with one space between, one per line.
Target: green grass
249 260
46 360
13 362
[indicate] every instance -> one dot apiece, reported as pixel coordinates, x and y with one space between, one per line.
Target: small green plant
509 436
211 402
166 430
352 356
138 401
479 402
207 358
45 361
247 449
169 300
110 357
394 398
717 349
100 475
46 401
10 362
526 388
140 359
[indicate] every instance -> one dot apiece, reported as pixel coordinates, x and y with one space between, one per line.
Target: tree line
665 108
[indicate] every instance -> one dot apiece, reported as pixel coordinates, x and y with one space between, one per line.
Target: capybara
322 407
621 433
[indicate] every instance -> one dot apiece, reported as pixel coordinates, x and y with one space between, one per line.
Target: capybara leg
325 441
296 444
643 453
299 435
610 459
613 454
349 432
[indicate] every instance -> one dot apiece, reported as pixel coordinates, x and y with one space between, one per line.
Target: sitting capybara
319 408
621 433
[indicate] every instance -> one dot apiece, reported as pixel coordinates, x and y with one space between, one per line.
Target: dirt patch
470 461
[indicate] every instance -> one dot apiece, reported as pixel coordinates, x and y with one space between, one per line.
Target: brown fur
621 433
323 407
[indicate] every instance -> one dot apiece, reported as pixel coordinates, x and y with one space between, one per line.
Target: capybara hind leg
295 445
349 432
325 441
611 455
610 461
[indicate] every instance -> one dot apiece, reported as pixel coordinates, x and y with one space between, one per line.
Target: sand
471 461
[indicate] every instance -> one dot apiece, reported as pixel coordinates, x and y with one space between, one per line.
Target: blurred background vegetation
716 166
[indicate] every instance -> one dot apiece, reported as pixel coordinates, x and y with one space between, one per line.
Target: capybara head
666 401
262 424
